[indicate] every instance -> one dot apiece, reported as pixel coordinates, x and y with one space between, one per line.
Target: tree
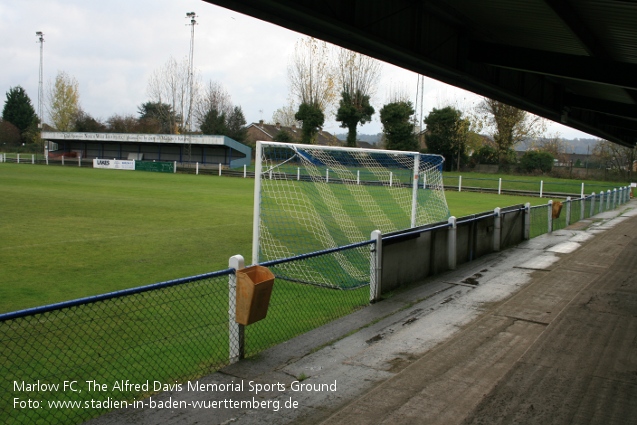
358 77
447 133
9 135
122 124
283 137
214 96
510 126
311 75
285 116
84 122
536 161
313 119
157 117
214 123
397 126
64 102
170 84
236 125
353 109
556 146
615 157
18 109
486 154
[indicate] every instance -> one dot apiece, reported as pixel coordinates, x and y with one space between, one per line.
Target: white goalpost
309 198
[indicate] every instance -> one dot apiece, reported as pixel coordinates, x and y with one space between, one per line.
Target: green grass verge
528 183
71 232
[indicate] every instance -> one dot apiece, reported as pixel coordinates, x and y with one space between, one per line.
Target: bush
486 155
536 161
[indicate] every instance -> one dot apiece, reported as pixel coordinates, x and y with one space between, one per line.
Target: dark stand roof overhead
574 61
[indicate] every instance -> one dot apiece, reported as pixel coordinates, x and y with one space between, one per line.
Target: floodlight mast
191 60
40 36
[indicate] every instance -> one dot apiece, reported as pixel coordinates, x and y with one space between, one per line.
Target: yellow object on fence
557 208
254 287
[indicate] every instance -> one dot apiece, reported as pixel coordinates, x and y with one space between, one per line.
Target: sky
112 47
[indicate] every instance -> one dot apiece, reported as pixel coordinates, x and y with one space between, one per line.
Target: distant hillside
369 138
579 146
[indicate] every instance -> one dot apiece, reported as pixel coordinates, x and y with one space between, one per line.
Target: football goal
309 198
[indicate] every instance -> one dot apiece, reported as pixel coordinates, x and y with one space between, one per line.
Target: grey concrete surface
545 332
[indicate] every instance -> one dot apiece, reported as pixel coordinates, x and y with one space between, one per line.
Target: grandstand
204 149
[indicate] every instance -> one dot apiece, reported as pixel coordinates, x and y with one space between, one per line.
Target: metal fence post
459 183
376 266
607 199
621 195
527 221
568 211
541 187
614 198
601 202
582 208
451 244
497 229
550 216
174 167
500 186
236 336
592 204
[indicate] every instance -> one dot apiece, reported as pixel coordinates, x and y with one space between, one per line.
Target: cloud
113 47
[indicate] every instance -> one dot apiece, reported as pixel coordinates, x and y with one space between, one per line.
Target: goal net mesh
313 198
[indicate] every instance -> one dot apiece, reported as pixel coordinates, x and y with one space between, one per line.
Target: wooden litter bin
254 287
557 208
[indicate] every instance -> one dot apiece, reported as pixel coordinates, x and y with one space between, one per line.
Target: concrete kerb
372 345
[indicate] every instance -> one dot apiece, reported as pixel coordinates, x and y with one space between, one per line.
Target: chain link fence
300 306
172 331
137 341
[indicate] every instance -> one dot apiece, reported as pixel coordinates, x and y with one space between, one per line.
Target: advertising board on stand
114 164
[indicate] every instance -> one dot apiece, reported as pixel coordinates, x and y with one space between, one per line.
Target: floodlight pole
40 36
191 60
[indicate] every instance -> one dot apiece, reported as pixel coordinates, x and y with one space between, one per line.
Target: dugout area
202 149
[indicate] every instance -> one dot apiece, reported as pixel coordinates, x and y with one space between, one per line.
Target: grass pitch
71 232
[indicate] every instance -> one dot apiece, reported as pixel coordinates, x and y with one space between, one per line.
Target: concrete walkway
542 333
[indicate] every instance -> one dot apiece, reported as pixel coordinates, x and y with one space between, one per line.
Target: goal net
310 198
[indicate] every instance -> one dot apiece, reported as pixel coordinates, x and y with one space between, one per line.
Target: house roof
267 132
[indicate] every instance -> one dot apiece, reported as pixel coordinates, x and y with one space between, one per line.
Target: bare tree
311 75
357 73
213 97
285 116
170 84
63 101
616 157
555 145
